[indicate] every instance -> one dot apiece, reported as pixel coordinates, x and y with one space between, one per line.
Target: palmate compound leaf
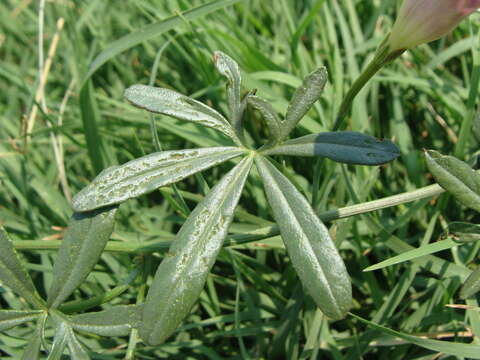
13 273
471 285
65 337
146 174
12 318
181 276
304 98
311 250
116 321
346 147
169 102
82 245
456 177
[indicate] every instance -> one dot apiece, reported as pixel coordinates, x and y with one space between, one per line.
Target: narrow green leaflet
146 174
172 103
229 68
304 98
312 251
272 120
470 351
83 243
414 254
32 349
472 285
12 318
13 274
182 274
59 342
456 177
117 321
346 147
464 232
77 351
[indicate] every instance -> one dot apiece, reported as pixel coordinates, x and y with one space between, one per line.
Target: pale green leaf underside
83 243
346 147
456 177
311 250
13 274
148 173
171 103
117 321
450 348
60 342
182 274
12 318
471 285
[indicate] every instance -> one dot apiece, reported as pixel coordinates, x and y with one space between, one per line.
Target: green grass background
252 306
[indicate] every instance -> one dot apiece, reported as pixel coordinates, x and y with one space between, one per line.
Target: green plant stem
251 236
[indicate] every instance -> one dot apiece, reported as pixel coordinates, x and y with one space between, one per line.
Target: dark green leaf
272 120
312 251
83 243
171 103
303 99
13 274
456 177
155 30
146 174
464 232
471 286
12 318
117 321
457 349
346 147
181 275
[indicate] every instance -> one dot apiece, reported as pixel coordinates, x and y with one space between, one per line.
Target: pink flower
422 21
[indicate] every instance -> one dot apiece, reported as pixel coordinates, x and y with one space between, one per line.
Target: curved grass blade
312 251
346 147
146 174
272 120
82 245
182 274
470 351
304 98
13 274
117 321
12 318
464 232
171 103
229 68
414 254
471 286
154 30
456 177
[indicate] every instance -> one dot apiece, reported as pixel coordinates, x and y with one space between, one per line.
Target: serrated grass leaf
82 245
414 254
148 173
346 147
182 274
271 118
304 98
13 273
456 177
311 250
471 285
12 318
117 321
171 103
470 351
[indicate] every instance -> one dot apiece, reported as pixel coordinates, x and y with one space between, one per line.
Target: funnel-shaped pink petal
422 21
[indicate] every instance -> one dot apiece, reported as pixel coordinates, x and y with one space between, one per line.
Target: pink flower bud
422 21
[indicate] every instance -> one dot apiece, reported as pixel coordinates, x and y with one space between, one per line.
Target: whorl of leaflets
422 21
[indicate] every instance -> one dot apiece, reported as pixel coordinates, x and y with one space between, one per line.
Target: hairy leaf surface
146 174
182 274
12 318
346 147
271 118
312 251
82 245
